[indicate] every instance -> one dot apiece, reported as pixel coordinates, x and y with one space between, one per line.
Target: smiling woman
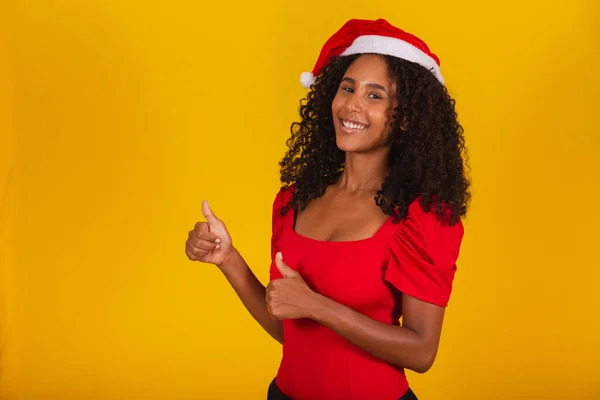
366 226
362 109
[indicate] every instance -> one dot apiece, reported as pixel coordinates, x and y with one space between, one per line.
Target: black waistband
275 393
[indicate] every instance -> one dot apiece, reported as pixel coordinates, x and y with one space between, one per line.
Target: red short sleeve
423 253
277 220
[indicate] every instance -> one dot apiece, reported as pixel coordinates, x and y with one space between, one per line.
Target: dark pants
276 394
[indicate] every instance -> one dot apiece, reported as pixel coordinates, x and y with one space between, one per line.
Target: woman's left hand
290 297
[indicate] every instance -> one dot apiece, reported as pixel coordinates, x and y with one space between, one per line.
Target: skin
366 96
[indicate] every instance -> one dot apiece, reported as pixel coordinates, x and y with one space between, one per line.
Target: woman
366 227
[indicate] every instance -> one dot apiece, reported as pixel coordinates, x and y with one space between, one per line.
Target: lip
351 130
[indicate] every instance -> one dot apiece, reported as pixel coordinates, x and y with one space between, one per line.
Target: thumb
285 270
208 214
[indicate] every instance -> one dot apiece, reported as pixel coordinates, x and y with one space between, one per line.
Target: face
363 105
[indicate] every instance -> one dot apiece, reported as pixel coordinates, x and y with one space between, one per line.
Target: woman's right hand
209 241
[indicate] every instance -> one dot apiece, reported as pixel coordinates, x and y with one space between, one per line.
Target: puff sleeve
422 256
277 221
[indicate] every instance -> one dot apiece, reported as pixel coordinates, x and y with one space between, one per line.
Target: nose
354 104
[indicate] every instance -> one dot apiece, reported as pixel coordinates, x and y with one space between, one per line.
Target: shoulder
422 254
283 197
429 219
424 234
420 220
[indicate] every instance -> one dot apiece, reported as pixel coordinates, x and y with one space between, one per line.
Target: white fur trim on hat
393 47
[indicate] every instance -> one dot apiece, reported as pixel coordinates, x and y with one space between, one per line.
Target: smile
353 125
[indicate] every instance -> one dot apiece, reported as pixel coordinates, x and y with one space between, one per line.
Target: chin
350 144
359 144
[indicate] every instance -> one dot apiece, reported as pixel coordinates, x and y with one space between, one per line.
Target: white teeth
353 125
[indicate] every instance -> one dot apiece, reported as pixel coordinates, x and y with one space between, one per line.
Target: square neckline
291 225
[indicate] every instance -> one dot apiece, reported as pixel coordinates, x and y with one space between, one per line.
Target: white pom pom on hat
360 36
307 79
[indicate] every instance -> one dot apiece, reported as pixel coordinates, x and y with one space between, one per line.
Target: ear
404 124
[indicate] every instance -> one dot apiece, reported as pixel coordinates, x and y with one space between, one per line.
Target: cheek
336 105
381 117
381 123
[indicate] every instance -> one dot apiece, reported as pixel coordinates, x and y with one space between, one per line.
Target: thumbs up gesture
290 297
209 241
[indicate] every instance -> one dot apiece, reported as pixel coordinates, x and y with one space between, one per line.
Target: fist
209 241
289 297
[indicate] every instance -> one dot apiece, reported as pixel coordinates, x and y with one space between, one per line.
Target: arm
423 254
251 292
210 242
413 345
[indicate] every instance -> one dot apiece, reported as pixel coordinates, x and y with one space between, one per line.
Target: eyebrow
373 85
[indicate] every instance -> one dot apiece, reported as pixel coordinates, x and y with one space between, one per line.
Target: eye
375 96
347 89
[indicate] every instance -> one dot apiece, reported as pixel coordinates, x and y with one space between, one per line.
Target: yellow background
118 117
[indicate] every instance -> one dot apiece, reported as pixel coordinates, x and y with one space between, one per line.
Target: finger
211 218
270 312
200 228
189 254
205 245
268 301
286 271
199 253
201 232
195 254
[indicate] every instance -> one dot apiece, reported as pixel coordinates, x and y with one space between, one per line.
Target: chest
334 219
350 273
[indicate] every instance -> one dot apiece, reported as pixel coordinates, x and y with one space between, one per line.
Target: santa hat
359 36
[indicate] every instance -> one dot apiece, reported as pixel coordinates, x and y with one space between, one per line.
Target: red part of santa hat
360 36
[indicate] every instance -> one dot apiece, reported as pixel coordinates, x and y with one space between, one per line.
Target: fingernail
218 246
218 241
280 256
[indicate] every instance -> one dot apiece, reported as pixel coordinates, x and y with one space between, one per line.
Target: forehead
369 67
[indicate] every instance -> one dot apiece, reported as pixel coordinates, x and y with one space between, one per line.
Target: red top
416 256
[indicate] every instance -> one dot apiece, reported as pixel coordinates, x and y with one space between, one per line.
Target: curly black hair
428 157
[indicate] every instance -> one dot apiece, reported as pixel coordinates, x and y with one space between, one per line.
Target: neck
363 172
